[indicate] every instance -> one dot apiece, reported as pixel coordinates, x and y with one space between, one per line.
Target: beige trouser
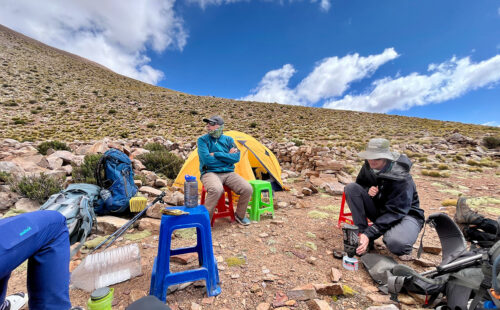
214 182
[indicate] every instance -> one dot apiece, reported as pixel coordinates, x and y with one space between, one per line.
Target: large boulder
27 205
11 167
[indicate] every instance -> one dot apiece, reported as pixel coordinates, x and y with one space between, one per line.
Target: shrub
435 174
297 142
155 146
253 125
491 142
443 167
55 145
162 162
151 125
112 111
85 172
37 188
18 121
4 176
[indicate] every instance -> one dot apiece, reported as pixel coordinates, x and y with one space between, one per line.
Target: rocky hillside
48 94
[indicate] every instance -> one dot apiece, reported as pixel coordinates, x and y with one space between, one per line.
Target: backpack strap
99 168
395 285
421 246
88 220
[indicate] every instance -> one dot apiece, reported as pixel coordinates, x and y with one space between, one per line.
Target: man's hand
373 191
363 244
233 150
211 154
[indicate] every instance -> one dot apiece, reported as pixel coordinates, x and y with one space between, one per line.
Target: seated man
385 193
218 154
42 238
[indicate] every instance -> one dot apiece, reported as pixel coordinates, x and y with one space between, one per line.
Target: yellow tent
253 154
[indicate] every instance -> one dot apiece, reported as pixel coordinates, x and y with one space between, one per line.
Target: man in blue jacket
218 154
385 193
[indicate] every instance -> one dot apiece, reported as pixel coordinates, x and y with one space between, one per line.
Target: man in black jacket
385 193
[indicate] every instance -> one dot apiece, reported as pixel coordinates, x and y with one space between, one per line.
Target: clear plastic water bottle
107 268
190 191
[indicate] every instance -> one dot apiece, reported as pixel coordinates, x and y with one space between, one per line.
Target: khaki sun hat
378 148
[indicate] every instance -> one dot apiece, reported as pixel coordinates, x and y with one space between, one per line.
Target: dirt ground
290 250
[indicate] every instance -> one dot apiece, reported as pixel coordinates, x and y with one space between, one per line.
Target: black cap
216 120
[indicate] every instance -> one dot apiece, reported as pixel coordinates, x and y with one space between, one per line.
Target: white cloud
446 81
112 33
323 4
493 123
331 77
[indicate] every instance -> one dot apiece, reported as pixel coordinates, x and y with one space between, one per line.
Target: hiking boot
244 221
465 215
14 302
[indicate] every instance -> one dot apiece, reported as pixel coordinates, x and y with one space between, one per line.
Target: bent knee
398 246
215 190
352 188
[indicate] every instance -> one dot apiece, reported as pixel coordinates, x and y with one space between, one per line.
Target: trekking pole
126 226
461 263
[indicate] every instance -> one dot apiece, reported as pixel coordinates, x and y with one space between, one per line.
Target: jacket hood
400 169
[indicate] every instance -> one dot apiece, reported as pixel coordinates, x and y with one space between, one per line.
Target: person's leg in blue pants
42 238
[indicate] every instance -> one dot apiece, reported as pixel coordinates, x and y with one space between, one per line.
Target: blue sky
432 59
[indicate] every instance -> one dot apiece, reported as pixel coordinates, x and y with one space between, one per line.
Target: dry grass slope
47 94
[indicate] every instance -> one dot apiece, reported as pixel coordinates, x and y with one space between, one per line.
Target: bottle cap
190 178
99 293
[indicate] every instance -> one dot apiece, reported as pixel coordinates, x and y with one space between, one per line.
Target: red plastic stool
346 217
221 209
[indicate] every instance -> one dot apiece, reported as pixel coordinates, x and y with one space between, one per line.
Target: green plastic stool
256 205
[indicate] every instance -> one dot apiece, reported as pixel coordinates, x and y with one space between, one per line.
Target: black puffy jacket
397 196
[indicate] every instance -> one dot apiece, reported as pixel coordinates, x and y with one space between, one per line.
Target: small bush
55 145
297 142
4 176
435 174
112 111
62 102
85 172
37 188
155 146
18 121
491 142
124 135
471 162
474 169
253 125
151 125
443 167
162 162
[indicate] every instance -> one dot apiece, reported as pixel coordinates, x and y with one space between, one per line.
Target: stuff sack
114 173
76 203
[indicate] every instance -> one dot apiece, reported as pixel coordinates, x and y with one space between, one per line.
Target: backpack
76 203
114 172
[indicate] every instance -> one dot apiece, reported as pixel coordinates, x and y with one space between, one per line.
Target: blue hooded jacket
222 161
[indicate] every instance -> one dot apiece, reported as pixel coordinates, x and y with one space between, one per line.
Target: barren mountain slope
46 93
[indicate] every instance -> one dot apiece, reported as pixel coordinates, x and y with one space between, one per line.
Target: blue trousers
40 237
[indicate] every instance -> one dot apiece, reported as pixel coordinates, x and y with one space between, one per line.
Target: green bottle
101 299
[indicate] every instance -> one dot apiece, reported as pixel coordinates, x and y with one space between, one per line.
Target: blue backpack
114 172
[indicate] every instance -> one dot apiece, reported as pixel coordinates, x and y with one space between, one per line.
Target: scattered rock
307 191
109 224
329 289
27 205
432 249
150 190
335 275
195 306
303 292
150 224
318 304
424 262
184 259
279 299
263 306
383 307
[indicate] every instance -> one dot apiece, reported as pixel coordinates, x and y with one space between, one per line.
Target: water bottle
107 268
190 191
101 299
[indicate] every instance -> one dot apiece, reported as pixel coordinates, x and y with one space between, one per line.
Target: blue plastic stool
162 277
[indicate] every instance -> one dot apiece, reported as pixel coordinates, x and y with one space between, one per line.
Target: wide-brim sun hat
378 148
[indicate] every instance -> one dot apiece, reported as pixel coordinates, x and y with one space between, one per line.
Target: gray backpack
76 203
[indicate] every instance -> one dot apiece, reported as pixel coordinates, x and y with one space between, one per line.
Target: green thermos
101 299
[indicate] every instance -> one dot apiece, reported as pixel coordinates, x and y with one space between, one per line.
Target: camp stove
350 233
